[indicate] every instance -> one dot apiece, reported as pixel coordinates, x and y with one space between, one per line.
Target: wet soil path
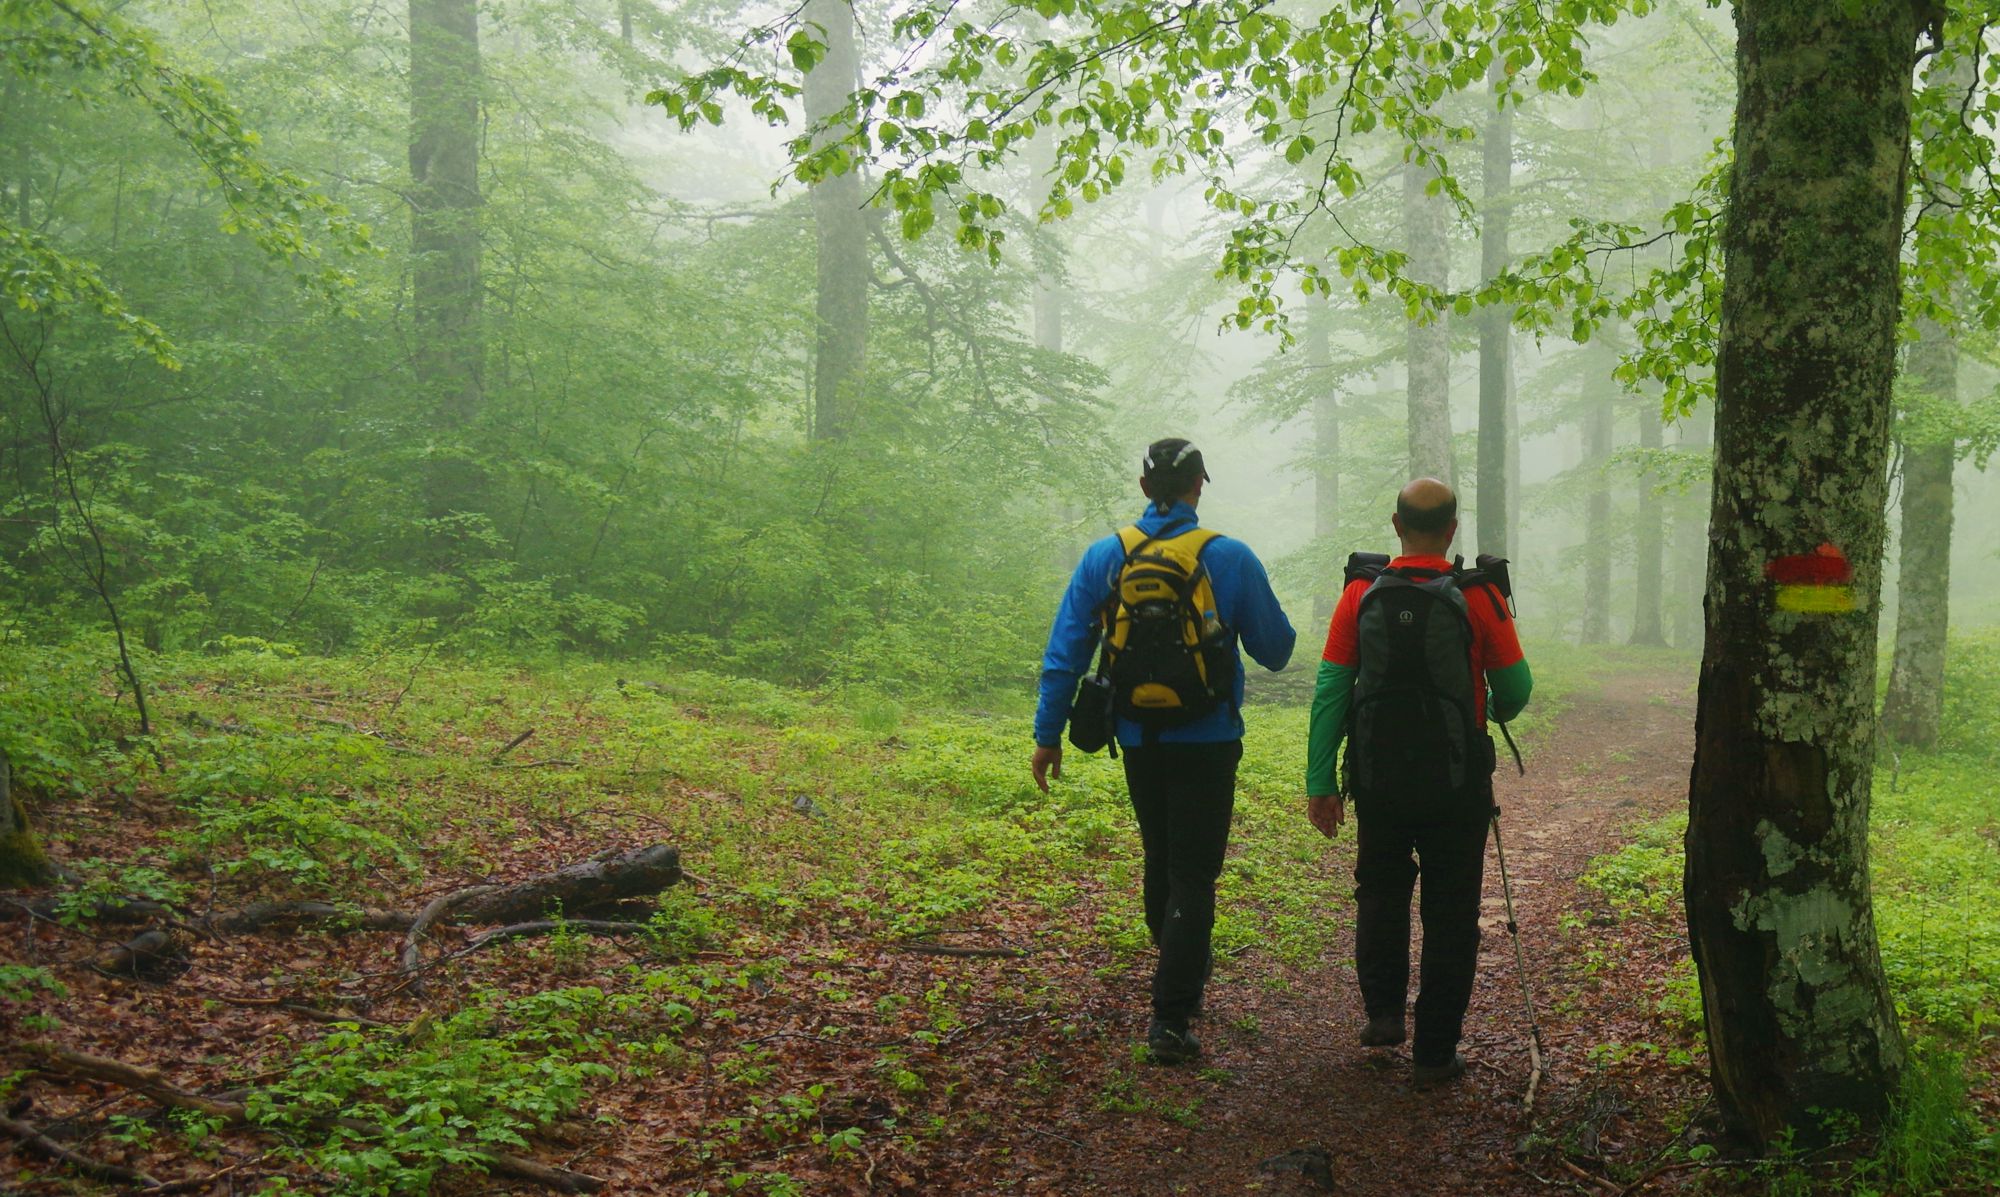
1304 1109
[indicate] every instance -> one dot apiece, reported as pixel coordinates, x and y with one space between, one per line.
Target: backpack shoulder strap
1489 573
1364 566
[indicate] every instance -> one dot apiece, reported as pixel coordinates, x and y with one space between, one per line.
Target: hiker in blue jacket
1181 775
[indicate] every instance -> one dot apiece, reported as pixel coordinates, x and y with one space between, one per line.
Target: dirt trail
1345 1119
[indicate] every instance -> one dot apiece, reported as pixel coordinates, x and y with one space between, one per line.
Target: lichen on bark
22 861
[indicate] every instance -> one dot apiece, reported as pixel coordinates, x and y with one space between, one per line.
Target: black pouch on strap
1091 722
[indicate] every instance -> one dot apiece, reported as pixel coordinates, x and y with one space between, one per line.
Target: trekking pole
1538 1069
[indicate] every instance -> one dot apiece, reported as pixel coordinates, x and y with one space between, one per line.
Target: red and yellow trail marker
1817 583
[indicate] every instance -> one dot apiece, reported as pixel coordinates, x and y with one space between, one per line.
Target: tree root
152 1084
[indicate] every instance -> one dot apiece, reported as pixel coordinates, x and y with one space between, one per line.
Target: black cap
1175 461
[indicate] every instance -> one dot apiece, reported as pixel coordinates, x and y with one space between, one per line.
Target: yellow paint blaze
1816 600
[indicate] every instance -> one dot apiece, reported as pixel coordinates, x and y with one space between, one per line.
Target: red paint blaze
1824 566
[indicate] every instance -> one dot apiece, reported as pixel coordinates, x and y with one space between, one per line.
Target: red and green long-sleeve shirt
1497 663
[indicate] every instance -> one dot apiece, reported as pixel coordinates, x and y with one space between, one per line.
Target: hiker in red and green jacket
1415 644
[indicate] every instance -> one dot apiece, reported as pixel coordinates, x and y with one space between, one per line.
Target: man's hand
1327 812
1046 763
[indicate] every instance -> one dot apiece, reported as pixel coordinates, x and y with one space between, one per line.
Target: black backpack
1412 725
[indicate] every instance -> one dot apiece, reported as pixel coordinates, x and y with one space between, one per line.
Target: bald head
1426 516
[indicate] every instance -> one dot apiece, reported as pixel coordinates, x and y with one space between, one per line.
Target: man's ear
1396 522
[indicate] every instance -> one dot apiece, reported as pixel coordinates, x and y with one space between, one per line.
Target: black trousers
1184 795
1444 837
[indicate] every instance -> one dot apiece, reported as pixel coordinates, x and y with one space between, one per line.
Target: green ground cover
819 827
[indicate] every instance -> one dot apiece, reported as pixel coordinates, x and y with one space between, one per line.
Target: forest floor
894 968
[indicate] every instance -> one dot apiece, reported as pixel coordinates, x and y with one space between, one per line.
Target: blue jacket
1244 601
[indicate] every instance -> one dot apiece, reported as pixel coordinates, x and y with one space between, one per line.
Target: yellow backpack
1166 651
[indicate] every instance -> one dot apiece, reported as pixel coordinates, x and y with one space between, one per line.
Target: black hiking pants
1184 795
1444 838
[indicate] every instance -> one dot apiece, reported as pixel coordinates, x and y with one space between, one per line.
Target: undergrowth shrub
309 842
482 1078
683 924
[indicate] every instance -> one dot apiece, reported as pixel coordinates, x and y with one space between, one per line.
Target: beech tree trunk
1046 248
1326 444
1691 539
1914 705
1780 917
1428 345
1495 480
445 288
1597 417
1647 625
840 351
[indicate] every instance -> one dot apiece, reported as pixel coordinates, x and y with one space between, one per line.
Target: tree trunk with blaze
1780 916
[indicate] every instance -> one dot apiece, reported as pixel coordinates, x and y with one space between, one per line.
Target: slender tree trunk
1495 481
1428 345
1326 447
445 287
1780 915
1046 248
1647 625
1597 418
1691 538
1914 705
1513 453
841 343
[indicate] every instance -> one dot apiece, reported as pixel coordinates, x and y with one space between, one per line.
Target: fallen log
608 877
603 880
152 1084
34 1140
260 916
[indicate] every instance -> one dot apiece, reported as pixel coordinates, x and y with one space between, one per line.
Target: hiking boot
1167 1043
1386 1031
1426 1076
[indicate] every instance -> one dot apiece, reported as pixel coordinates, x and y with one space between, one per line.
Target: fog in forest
530 529
642 299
